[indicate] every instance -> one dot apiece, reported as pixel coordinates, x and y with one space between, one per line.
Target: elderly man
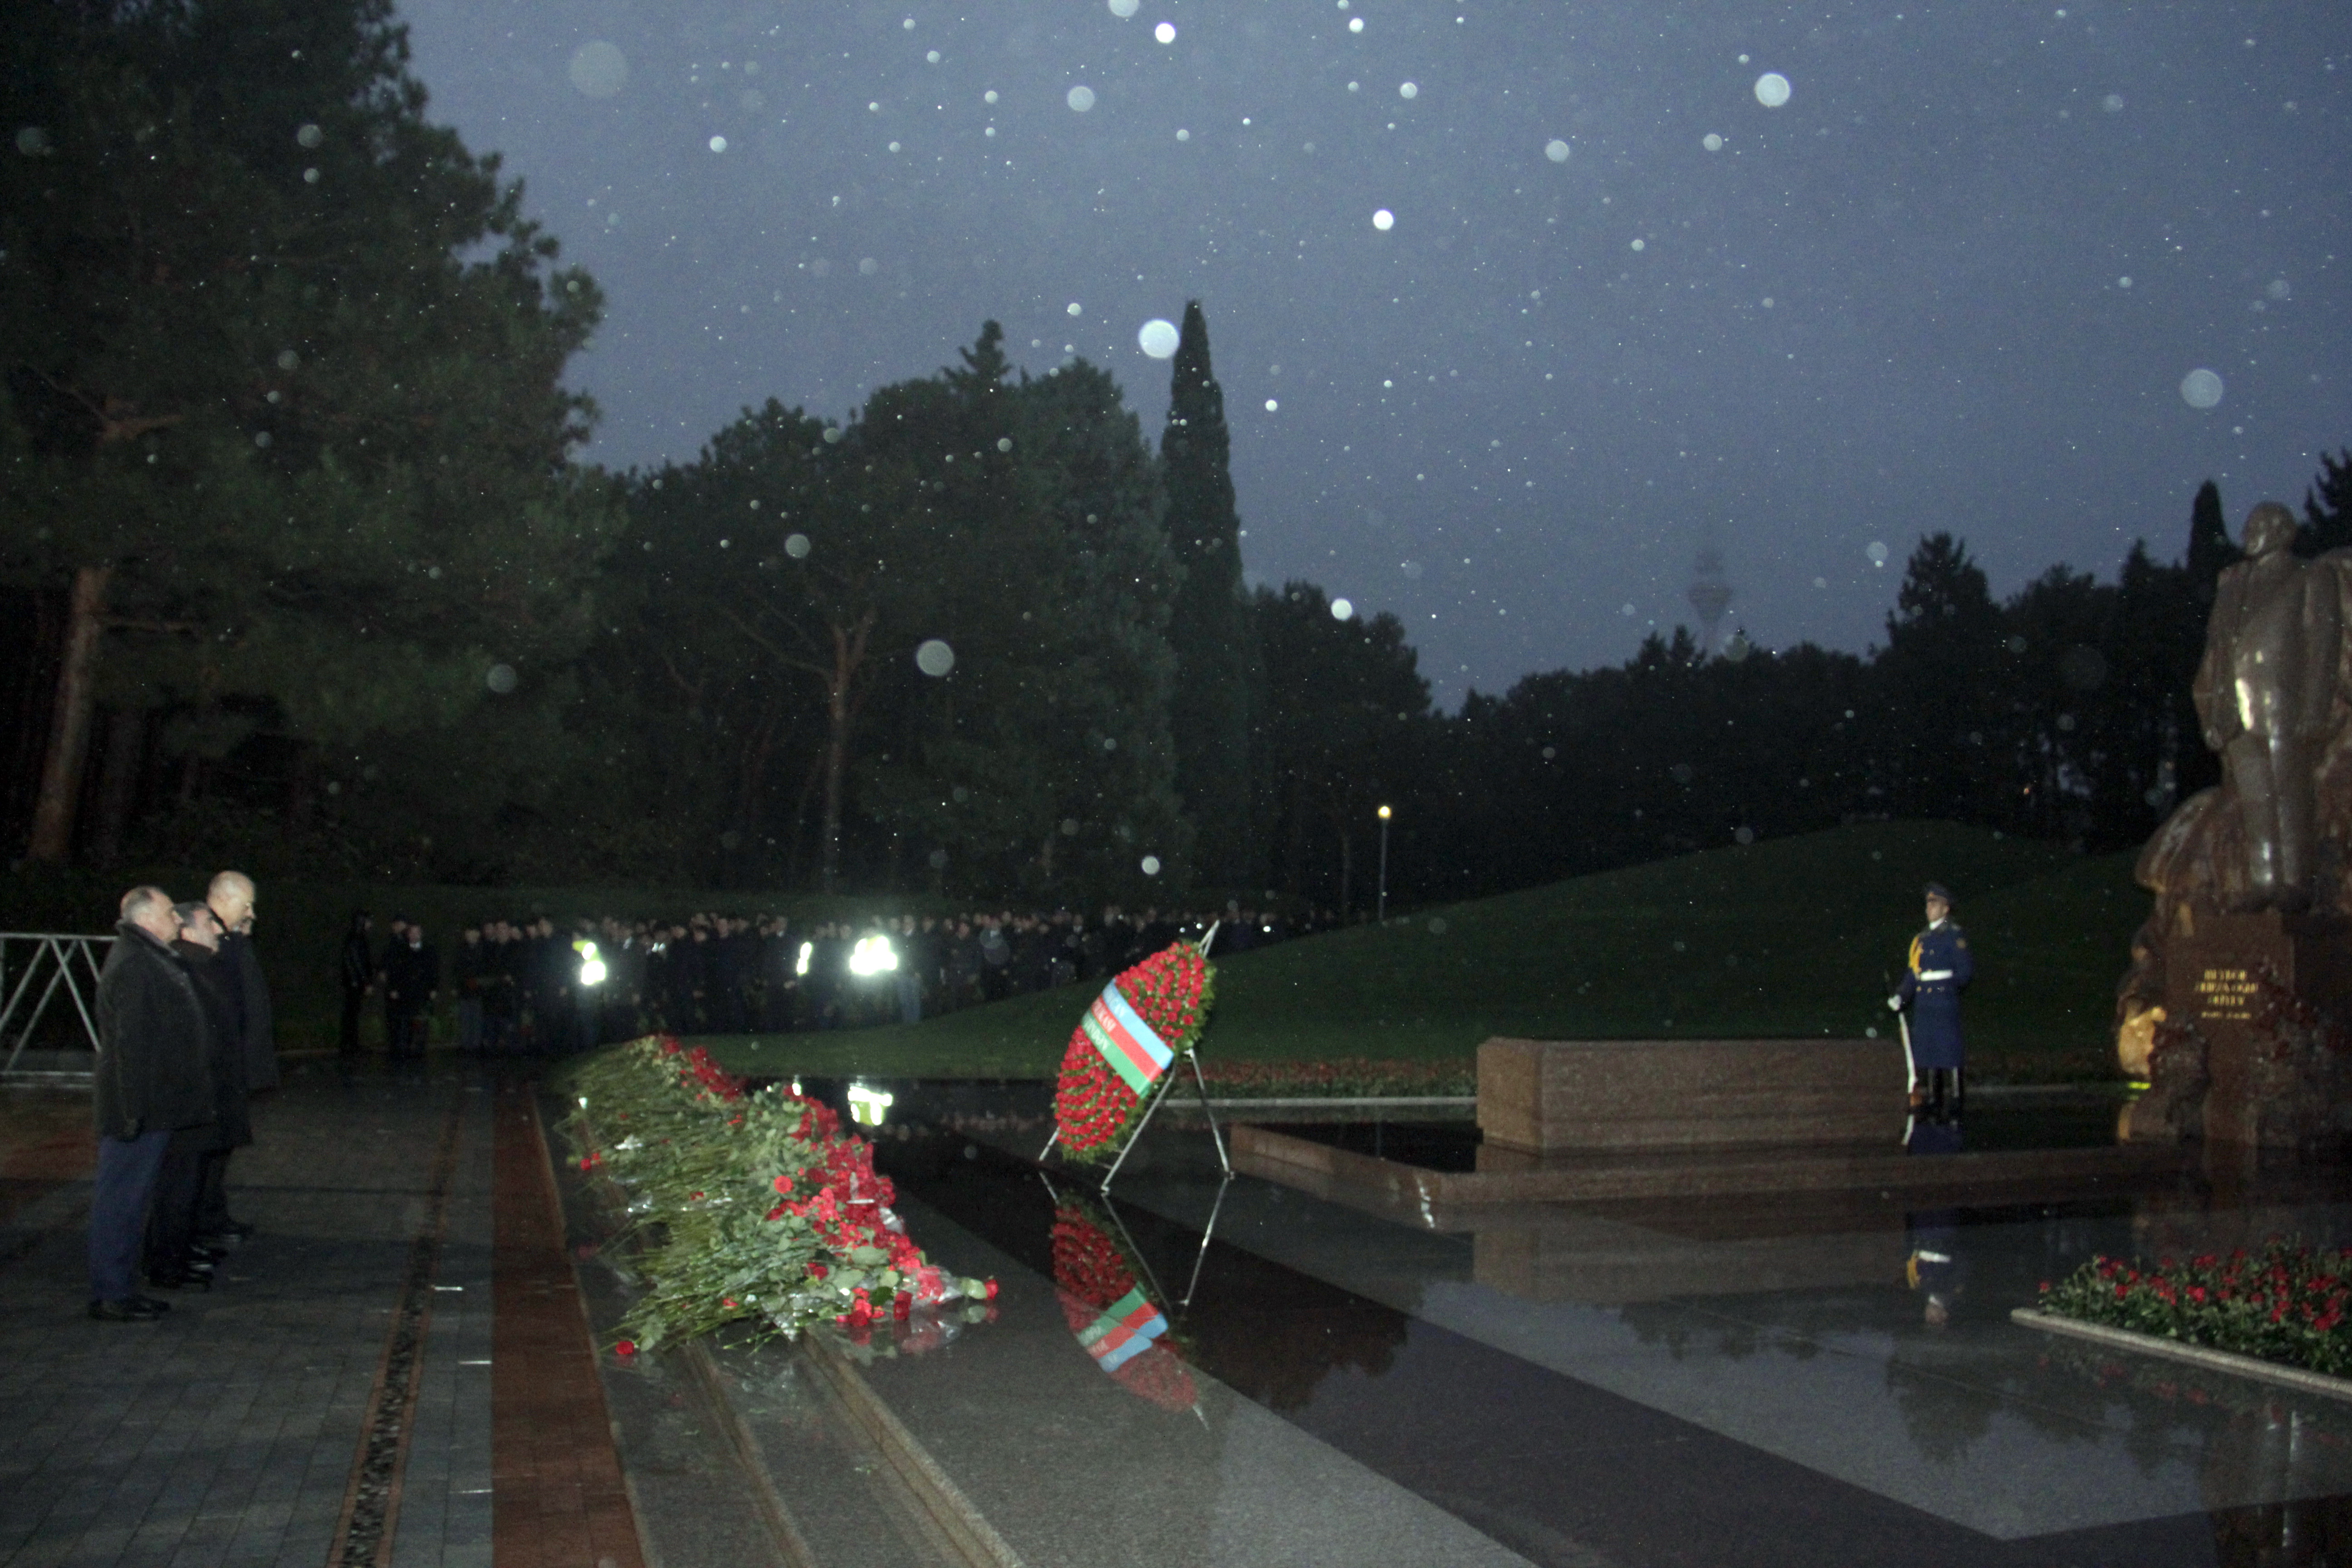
231 899
175 1258
149 1082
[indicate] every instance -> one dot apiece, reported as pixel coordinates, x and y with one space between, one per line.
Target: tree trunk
837 754
1346 876
118 782
61 769
848 654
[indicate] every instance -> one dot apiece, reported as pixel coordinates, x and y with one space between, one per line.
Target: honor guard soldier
1940 968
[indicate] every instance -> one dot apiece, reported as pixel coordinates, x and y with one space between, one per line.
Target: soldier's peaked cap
1937 890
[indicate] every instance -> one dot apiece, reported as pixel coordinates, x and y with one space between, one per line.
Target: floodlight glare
868 1105
873 955
807 948
592 964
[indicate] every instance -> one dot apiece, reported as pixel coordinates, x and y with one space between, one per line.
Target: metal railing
67 960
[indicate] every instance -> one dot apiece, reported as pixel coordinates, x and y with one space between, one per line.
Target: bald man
231 898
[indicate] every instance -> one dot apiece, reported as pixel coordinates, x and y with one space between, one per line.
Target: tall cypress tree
2210 549
1210 715
2210 546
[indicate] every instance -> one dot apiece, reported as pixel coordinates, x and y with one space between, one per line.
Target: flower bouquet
1130 1036
1107 1305
748 1207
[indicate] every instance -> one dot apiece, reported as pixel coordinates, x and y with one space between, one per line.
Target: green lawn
1791 937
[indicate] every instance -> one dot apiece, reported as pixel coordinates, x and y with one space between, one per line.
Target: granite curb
945 1515
2246 1366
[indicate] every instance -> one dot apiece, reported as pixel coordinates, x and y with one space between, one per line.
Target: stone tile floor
226 1433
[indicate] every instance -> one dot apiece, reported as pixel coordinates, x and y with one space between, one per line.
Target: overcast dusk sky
1627 297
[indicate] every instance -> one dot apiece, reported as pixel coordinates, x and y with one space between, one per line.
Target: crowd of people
529 987
185 1036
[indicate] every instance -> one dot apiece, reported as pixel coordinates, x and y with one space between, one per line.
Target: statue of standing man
2264 693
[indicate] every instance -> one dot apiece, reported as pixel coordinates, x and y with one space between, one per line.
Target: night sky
1618 309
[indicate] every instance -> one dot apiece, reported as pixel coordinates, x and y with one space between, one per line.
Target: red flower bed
2286 1303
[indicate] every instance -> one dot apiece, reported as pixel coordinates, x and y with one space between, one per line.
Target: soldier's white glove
1894 1004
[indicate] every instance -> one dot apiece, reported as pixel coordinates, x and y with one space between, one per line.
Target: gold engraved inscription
2226 993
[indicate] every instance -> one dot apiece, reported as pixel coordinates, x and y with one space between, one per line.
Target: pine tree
304 469
1212 712
2327 506
1944 676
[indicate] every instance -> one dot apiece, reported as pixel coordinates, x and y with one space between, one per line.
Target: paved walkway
331 1401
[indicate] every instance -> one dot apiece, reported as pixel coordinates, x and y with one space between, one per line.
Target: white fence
35 965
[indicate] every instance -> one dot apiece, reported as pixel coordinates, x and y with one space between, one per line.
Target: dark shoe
130 1310
181 1280
210 1257
236 1227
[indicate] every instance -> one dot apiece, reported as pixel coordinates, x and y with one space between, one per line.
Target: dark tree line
298 566
2060 712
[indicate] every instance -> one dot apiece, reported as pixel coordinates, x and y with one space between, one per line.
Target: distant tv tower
1709 595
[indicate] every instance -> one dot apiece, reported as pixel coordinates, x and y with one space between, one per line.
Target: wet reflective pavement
1726 1381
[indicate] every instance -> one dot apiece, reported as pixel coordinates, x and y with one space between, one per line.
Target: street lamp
1384 866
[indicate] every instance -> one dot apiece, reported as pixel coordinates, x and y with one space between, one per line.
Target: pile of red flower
1096 1103
2285 1303
750 1207
1341 1078
1111 1312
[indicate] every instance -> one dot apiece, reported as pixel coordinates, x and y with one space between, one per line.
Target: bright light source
868 1105
1384 814
591 963
807 949
873 955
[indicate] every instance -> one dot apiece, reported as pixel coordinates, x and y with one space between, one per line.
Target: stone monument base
1553 1096
2252 1048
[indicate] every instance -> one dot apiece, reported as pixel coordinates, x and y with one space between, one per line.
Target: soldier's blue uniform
1941 966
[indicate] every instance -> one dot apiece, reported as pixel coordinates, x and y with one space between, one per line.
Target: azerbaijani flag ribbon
1129 1043
1124 1331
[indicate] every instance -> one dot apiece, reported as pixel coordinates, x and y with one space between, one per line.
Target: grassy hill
1791 937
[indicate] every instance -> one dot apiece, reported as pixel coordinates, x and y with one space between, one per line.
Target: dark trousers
1944 1089
212 1198
403 1033
348 1041
172 1212
127 1168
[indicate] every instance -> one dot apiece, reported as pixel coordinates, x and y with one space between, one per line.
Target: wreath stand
1158 1092
1208 1233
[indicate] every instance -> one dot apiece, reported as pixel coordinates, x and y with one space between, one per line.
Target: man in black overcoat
358 973
232 899
174 1260
149 1082
412 980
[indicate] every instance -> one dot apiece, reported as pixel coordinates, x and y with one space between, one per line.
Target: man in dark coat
1940 968
412 979
174 1258
149 1082
231 899
358 977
